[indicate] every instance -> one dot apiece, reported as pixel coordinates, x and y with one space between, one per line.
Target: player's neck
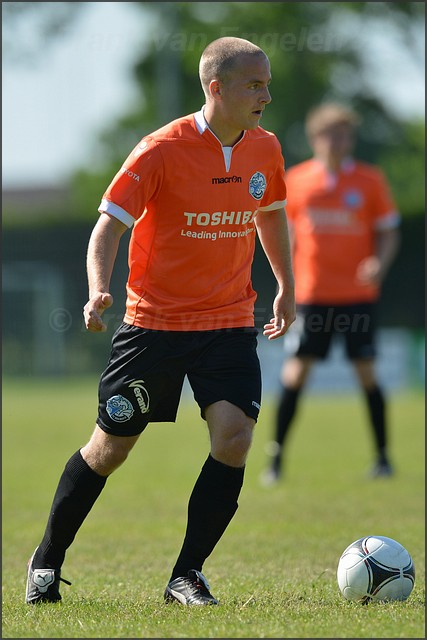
228 136
331 163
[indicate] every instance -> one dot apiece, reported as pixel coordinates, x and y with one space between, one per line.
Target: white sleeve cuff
279 204
114 210
389 221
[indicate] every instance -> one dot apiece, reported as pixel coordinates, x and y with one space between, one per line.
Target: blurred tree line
316 51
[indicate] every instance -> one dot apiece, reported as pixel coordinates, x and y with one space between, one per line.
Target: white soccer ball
375 568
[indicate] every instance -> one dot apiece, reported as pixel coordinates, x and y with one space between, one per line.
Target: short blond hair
221 56
328 114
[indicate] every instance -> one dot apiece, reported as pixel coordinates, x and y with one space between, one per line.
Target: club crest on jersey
119 408
353 198
257 185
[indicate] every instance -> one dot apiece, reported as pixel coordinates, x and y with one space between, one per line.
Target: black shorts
315 325
144 376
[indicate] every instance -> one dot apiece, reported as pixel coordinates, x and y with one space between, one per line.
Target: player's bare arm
273 233
373 269
101 255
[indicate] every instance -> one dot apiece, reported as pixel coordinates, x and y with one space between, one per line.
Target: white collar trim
201 123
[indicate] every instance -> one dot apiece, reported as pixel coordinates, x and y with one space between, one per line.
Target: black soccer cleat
192 590
382 469
272 474
43 584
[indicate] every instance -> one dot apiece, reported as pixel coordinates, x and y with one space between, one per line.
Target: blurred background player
344 235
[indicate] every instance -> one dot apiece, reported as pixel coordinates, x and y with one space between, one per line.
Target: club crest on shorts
257 185
119 408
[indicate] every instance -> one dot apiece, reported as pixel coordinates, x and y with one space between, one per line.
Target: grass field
274 571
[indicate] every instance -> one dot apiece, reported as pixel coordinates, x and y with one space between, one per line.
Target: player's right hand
94 309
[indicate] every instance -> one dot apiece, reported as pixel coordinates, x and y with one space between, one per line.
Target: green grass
274 571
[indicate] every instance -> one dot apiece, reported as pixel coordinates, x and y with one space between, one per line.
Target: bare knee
104 453
295 372
233 447
231 432
365 371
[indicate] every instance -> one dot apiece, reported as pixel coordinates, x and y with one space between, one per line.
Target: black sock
211 507
78 489
376 408
285 413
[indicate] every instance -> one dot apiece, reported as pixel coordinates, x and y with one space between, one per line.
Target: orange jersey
192 205
333 221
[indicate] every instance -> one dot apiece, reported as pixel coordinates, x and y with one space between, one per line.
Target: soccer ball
375 568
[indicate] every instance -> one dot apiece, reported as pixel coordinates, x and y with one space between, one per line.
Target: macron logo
226 180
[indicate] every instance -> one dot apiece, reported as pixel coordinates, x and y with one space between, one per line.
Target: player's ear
215 89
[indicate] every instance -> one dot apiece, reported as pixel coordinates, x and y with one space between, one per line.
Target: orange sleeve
275 193
136 183
382 202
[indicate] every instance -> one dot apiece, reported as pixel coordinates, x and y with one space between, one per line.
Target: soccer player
344 235
195 193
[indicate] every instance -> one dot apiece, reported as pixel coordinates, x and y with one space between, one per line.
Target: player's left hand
284 316
369 271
